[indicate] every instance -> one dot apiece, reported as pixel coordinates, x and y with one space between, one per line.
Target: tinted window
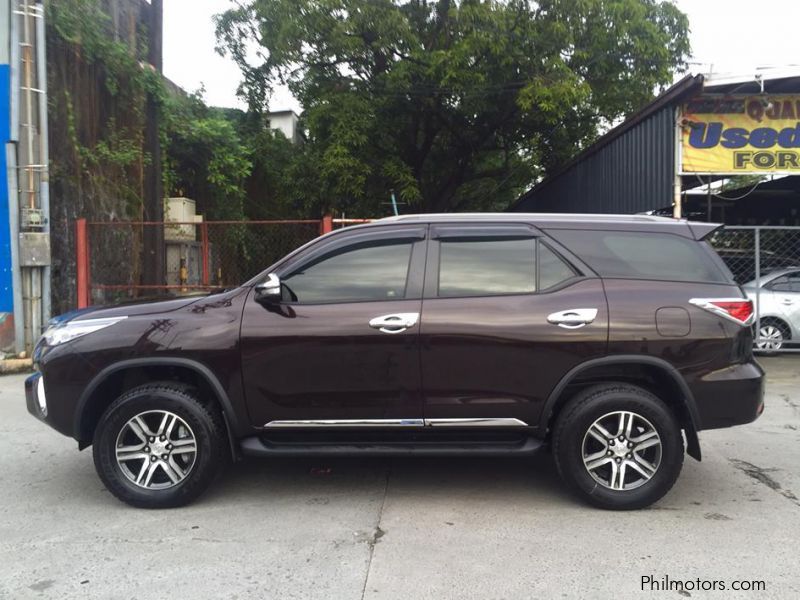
786 283
484 267
642 255
366 272
552 270
781 284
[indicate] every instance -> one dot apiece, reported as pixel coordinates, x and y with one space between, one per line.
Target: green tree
205 157
455 105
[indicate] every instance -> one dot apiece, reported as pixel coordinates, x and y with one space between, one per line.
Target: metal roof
631 168
681 90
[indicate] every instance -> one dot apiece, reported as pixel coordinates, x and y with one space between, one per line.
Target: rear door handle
574 318
394 323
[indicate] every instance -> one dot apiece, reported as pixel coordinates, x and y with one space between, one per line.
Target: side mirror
269 290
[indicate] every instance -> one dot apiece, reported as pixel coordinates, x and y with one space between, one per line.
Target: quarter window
372 271
639 255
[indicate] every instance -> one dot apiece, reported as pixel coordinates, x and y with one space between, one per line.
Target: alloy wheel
770 337
621 450
156 449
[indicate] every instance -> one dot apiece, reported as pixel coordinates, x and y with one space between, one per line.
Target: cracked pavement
402 528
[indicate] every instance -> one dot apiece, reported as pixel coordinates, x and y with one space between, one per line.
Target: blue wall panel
6 287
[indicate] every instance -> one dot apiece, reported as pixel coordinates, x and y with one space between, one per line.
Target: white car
777 303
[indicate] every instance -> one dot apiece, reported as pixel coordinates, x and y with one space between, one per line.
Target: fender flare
687 398
229 415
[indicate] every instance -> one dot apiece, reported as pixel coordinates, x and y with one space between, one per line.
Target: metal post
44 154
326 225
757 242
205 252
82 266
26 308
677 209
36 305
153 236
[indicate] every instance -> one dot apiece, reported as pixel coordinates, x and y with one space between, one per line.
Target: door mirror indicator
269 290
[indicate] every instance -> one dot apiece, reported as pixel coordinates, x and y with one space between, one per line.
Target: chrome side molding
348 423
476 422
466 422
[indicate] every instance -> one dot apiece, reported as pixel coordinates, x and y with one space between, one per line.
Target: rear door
505 315
786 295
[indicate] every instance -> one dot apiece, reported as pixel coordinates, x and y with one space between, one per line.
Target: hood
132 309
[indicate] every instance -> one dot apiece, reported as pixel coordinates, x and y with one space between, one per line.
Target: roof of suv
694 229
532 217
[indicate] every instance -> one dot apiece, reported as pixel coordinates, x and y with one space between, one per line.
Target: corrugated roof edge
676 93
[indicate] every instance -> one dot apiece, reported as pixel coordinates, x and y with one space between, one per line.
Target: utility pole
153 201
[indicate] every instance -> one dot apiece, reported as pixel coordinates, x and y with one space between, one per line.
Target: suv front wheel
158 446
618 446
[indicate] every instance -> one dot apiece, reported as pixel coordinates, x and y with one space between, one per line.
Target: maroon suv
612 339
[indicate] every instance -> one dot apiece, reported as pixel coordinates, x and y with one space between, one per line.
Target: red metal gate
198 255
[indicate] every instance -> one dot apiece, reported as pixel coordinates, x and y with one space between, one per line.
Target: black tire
573 424
204 423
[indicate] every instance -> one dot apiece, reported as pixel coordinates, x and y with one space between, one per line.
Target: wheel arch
646 371
780 320
93 401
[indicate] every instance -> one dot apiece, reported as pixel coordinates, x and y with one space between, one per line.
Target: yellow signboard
731 136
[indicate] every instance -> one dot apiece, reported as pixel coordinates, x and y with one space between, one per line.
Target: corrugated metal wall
631 174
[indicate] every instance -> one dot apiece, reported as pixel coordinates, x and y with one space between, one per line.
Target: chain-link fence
765 261
197 256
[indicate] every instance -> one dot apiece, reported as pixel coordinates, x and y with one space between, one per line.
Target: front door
342 347
505 317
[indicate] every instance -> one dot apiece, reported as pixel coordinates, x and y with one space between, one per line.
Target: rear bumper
730 396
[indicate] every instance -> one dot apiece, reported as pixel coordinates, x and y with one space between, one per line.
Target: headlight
69 330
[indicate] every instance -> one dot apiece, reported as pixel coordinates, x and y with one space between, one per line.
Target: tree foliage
205 157
453 104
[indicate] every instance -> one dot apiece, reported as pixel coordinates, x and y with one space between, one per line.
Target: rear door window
492 267
640 255
486 267
786 283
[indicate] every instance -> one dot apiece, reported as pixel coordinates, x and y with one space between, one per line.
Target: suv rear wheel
618 446
157 446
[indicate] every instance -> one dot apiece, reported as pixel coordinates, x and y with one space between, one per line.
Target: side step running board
255 446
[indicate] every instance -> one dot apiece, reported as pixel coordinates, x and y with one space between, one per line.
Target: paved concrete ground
406 529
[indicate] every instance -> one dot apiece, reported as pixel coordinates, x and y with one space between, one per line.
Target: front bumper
35 396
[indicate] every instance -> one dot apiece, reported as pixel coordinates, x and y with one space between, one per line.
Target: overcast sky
731 35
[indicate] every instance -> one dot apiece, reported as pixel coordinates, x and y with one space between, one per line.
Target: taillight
739 310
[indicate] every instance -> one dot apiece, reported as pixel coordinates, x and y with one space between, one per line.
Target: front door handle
394 323
573 318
